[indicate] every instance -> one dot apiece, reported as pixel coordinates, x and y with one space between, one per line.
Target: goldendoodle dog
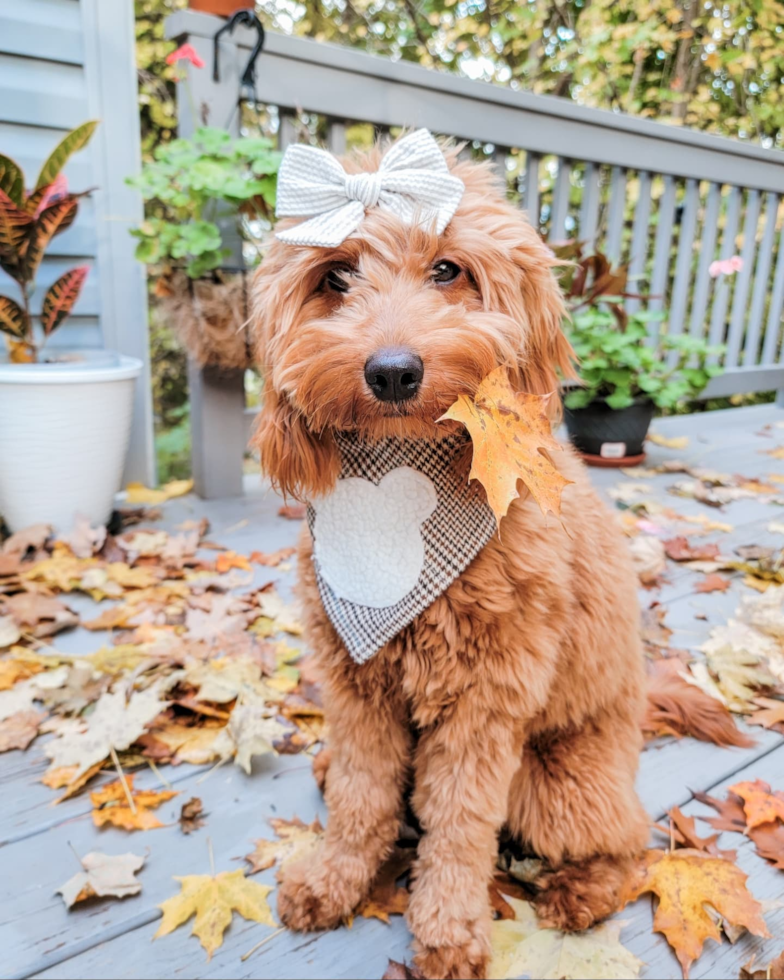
510 698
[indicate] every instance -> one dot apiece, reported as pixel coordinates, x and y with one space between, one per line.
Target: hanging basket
210 317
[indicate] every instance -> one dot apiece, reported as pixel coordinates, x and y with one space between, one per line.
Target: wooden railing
665 200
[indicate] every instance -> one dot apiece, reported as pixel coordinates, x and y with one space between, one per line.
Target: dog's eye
444 272
336 279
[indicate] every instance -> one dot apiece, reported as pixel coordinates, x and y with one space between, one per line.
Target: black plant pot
607 436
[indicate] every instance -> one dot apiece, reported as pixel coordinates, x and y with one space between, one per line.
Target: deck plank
112 939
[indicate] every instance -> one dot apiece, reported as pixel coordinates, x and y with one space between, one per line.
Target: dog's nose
394 374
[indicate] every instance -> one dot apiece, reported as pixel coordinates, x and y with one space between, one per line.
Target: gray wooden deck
113 938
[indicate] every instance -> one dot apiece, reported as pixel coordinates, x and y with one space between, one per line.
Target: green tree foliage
157 108
715 66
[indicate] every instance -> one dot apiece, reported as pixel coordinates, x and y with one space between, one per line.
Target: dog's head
382 333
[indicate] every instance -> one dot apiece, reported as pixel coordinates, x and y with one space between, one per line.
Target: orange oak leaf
768 840
386 896
684 832
512 439
271 558
759 803
713 583
685 881
230 559
731 815
112 806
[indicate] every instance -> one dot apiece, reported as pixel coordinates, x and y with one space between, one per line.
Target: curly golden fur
515 699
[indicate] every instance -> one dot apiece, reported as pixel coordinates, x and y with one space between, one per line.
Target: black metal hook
246 18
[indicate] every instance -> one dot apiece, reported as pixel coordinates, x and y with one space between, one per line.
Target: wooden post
217 398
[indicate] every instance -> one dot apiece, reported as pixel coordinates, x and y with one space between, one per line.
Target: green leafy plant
618 366
617 362
29 220
196 183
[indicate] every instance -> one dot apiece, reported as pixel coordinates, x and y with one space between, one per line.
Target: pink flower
185 52
57 189
725 267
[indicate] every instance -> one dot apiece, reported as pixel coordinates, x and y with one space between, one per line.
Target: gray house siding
63 62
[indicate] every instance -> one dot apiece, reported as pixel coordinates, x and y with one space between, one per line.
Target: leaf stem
123 780
263 942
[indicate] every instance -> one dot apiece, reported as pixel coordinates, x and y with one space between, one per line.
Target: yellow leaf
111 806
512 437
137 493
671 442
213 899
713 61
759 803
12 671
685 882
520 946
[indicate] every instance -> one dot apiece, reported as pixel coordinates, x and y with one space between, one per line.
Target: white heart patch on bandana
391 484
367 539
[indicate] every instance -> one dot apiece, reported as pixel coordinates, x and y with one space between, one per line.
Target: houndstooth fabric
454 534
412 181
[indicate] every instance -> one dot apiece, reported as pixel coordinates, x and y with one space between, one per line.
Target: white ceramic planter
64 429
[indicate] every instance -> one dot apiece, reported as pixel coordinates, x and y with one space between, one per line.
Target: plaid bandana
401 525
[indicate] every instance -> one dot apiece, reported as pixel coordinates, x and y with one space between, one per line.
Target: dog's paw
466 962
308 900
578 895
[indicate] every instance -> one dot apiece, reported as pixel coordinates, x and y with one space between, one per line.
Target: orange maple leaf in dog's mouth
512 438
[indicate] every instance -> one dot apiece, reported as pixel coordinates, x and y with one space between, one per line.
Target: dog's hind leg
573 803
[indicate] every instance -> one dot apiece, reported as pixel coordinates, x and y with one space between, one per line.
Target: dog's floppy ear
299 463
545 349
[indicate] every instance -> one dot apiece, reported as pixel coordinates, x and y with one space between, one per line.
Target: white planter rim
112 367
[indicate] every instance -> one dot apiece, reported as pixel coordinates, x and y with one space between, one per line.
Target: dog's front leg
370 754
464 768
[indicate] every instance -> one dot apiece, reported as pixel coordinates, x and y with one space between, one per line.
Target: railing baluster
761 277
680 288
615 216
721 293
773 323
531 202
336 137
589 207
560 201
702 286
743 278
639 248
288 131
500 154
661 254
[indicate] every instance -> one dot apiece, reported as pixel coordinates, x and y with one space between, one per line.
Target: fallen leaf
251 731
176 743
12 671
19 730
713 583
104 875
512 437
31 538
292 512
685 881
111 806
759 803
39 615
230 559
213 899
680 549
114 724
669 442
770 715
649 558
685 833
774 971
273 558
9 632
731 813
386 896
521 947
296 839
191 815
754 552
137 493
85 540
768 839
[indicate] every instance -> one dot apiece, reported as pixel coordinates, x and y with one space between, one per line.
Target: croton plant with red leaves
29 220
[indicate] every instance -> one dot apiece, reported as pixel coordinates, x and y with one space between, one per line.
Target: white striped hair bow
413 182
